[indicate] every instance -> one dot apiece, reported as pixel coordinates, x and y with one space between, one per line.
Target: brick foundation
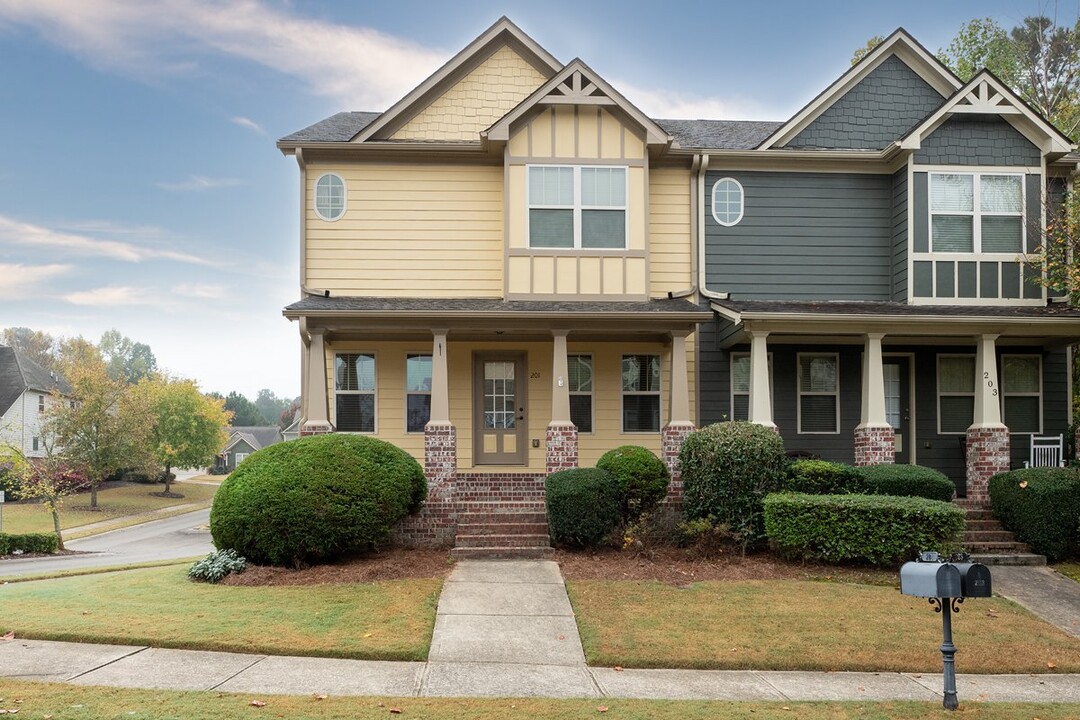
562 447
875 445
436 523
987 455
671 440
307 429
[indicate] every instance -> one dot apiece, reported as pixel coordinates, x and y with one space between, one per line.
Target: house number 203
990 383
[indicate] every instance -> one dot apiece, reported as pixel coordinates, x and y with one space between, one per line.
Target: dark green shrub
214 567
643 478
315 499
1040 505
727 470
10 483
821 477
28 543
908 481
875 529
582 506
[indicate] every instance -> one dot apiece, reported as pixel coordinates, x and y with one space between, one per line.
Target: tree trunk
56 524
167 483
93 493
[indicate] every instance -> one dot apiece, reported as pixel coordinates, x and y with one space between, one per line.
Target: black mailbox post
946 584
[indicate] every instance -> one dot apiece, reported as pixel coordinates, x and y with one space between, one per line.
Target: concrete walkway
1050 595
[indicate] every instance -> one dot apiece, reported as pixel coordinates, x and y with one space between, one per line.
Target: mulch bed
394 564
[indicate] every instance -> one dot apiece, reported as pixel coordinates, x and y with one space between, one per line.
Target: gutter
695 317
737 317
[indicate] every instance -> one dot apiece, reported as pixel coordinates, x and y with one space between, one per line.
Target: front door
499 409
898 404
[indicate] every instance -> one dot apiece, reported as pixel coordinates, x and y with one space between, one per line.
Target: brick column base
875 445
671 440
315 429
436 522
440 453
562 447
987 455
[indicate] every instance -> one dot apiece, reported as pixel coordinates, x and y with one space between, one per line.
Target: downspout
699 220
304 289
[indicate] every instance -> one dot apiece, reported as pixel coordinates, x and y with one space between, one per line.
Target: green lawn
115 504
160 607
37 700
1069 569
798 625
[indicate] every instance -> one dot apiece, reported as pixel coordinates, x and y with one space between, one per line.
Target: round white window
727 201
330 196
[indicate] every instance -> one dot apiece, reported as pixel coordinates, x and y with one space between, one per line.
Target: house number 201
990 383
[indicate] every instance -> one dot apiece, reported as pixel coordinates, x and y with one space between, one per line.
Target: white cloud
248 123
109 296
17 280
360 68
199 182
674 105
20 233
201 291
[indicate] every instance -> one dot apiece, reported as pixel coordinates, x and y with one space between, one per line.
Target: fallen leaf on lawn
320 697
785 708
257 703
395 711
9 635
1023 483
1051 665
618 668
367 635
862 689
601 708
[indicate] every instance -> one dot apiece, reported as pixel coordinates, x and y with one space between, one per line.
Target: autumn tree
126 359
41 347
866 49
49 480
187 427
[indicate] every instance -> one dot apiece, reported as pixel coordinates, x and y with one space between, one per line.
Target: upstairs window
573 207
727 201
330 197
41 403
354 385
976 213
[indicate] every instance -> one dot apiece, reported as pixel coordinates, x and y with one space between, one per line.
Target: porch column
440 436
562 435
987 447
760 397
875 439
315 394
679 423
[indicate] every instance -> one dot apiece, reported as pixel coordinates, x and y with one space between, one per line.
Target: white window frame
939 394
374 392
589 393
1006 394
623 393
976 214
239 458
731 384
344 197
408 392
41 403
577 207
35 444
800 392
742 202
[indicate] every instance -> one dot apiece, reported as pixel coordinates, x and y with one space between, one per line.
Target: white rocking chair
1046 451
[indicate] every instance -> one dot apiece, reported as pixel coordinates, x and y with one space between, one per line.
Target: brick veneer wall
987 455
562 447
309 430
671 440
875 445
436 522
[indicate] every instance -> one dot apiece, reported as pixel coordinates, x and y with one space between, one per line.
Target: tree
49 480
125 358
982 43
41 347
244 411
188 428
270 406
101 427
289 414
866 49
1058 252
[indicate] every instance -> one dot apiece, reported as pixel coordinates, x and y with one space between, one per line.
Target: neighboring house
243 441
513 270
292 432
26 391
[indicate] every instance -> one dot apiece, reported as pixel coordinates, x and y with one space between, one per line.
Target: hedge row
820 477
28 543
1042 506
876 529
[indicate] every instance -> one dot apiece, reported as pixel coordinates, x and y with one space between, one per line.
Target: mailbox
931 580
974 579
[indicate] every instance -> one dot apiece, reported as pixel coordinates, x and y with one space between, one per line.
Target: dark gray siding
977 140
899 235
804 236
881 108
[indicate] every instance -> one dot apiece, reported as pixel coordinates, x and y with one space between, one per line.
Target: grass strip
1069 570
99 570
38 700
796 625
160 607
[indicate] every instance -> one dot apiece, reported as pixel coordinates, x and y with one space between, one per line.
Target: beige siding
410 228
479 99
671 245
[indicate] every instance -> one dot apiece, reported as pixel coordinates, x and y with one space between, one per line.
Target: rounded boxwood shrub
821 477
876 529
314 499
727 470
643 478
908 481
582 506
1040 505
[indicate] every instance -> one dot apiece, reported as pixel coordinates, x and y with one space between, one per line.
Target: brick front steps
501 516
991 544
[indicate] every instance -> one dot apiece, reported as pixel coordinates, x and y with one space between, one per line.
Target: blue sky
139 183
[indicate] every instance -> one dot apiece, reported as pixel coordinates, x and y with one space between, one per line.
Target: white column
873 384
987 390
440 384
315 392
560 380
760 396
679 409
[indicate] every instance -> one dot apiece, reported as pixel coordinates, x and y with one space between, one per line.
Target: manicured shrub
908 481
214 567
643 478
582 506
28 543
1042 506
875 529
314 499
821 477
727 470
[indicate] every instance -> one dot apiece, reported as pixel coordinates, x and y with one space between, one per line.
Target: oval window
727 201
330 197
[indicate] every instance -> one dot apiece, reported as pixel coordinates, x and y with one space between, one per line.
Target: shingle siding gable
977 140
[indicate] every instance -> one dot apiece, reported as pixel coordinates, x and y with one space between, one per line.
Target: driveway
176 537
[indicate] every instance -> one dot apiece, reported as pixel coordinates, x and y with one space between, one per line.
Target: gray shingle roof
18 373
869 308
491 305
257 436
720 134
341 127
